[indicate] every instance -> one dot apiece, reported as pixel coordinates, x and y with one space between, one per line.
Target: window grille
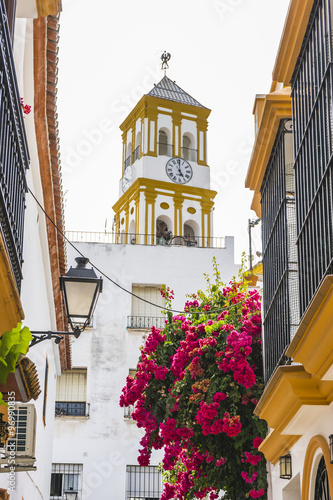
313 145
80 409
66 478
281 314
14 156
322 488
143 483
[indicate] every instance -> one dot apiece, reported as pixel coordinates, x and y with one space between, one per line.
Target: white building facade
32 256
163 234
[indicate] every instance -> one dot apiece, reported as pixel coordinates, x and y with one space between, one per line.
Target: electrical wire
213 311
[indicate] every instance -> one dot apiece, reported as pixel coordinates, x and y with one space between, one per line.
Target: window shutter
72 386
150 293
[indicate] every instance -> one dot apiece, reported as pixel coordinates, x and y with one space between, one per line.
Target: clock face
127 178
179 170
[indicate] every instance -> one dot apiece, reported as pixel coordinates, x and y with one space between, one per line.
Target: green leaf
12 345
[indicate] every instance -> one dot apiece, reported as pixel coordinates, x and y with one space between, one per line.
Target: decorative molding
315 443
291 41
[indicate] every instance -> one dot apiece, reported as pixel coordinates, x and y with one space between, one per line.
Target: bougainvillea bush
195 389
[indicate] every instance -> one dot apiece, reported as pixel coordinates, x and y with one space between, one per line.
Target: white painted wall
106 442
36 291
283 489
154 168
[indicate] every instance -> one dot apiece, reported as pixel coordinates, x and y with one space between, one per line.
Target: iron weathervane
165 57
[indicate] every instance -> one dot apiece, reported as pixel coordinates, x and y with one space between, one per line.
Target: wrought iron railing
190 154
312 85
14 157
146 239
73 409
281 312
136 154
127 162
165 149
145 322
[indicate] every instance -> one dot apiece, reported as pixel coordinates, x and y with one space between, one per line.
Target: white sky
222 53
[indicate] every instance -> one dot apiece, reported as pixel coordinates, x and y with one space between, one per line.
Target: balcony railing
136 154
127 162
72 409
145 239
14 157
165 149
190 154
145 322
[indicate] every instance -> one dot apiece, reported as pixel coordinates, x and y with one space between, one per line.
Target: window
188 151
281 310
189 235
128 410
322 490
186 147
66 478
71 394
145 314
136 154
143 483
164 148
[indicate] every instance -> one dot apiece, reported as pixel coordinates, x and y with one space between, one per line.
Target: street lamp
70 495
81 289
285 467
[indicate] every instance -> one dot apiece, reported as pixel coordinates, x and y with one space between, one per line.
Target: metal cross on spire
165 59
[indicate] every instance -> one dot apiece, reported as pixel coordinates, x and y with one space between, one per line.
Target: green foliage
12 345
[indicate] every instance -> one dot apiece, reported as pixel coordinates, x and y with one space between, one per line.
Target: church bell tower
164 190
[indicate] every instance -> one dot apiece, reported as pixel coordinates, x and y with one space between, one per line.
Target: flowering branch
194 392
25 107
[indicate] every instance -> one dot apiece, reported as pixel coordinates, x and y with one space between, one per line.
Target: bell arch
189 147
191 232
164 142
163 229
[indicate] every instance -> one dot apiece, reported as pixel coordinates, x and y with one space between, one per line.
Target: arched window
188 151
137 149
128 160
163 230
322 490
190 233
164 148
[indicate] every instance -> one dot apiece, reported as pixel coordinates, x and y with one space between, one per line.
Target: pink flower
249 479
168 491
221 461
219 396
252 459
257 442
257 494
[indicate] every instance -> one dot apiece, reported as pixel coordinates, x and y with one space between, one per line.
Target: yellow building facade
290 173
